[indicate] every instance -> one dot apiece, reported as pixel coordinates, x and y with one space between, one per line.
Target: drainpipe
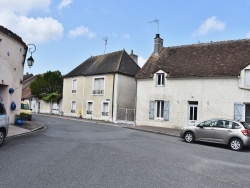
113 96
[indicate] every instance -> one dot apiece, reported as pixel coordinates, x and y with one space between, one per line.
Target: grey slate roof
213 59
115 62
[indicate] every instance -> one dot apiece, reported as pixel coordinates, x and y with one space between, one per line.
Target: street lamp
30 60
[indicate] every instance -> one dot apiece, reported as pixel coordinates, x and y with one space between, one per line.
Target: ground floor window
162 109
159 109
73 107
105 109
89 108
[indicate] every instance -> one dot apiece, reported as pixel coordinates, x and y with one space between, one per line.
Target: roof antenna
158 23
106 41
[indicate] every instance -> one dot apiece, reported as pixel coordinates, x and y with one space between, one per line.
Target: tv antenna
106 41
157 22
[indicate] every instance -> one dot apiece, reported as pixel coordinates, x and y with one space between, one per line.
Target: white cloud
141 61
64 4
210 25
31 30
248 35
81 31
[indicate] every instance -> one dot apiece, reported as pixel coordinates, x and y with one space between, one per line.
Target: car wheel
189 137
236 144
2 137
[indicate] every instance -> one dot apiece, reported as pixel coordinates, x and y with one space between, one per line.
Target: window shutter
166 111
238 111
151 109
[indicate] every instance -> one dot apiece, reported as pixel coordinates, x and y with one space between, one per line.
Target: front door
192 113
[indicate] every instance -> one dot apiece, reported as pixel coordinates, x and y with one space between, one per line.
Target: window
193 110
105 109
89 108
73 107
247 77
209 123
74 85
160 79
98 86
159 109
162 110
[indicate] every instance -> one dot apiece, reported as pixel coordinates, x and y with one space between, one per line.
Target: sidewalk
27 127
157 130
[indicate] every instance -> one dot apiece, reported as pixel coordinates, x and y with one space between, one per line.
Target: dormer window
160 79
247 77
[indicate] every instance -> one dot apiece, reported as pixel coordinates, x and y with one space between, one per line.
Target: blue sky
67 32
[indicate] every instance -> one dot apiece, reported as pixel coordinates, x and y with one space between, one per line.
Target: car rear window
2 109
245 125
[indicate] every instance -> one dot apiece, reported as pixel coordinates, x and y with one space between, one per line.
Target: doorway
192 112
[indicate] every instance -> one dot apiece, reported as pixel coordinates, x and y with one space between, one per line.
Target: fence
126 116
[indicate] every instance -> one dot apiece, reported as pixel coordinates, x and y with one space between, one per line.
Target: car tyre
236 144
2 137
189 137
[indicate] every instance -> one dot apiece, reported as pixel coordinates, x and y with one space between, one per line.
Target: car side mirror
200 126
30 109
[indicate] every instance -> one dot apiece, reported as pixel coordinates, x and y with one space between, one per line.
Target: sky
67 32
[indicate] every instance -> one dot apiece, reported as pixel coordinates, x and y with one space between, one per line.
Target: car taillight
246 132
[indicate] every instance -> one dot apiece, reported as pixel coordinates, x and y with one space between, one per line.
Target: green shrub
23 116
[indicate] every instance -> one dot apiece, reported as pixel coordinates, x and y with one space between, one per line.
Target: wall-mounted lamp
30 60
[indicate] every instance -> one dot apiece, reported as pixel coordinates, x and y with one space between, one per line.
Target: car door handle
229 131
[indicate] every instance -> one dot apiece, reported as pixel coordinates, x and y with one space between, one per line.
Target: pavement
27 127
32 126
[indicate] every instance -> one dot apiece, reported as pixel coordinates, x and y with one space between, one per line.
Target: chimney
134 57
158 44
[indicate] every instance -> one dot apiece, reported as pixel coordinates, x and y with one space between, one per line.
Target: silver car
223 131
4 124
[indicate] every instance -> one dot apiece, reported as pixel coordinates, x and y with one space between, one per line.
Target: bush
23 116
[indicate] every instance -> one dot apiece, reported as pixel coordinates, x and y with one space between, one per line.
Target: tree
48 87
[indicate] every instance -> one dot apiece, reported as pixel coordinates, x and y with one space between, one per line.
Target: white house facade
12 57
180 86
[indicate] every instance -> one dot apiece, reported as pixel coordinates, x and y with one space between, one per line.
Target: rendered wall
98 99
11 73
68 96
215 97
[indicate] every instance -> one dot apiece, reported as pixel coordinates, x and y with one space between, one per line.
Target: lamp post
30 60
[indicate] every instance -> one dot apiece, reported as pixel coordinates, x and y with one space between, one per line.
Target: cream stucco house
12 58
101 87
182 85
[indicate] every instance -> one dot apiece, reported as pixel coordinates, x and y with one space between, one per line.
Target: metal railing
98 91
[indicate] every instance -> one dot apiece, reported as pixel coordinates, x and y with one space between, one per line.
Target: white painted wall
11 72
215 96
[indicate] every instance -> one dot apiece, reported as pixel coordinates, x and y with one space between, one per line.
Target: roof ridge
120 60
210 43
106 54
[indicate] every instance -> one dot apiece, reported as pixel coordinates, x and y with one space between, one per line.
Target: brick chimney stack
158 44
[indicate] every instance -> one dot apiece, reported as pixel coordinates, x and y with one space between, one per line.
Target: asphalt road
81 154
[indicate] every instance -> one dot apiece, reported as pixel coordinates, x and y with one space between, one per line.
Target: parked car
223 131
4 124
25 109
